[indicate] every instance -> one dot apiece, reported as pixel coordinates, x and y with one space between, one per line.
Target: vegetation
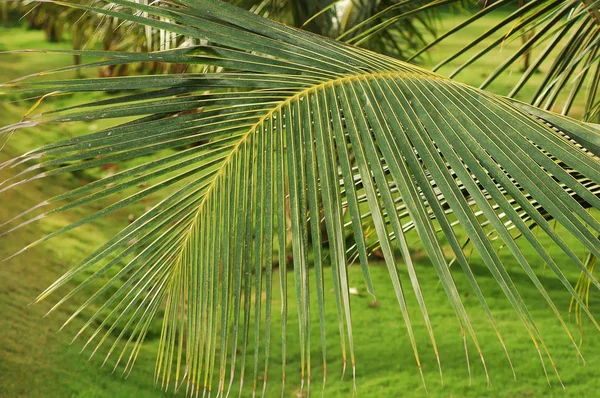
439 309
351 19
565 35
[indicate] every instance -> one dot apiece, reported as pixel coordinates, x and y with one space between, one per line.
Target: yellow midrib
338 81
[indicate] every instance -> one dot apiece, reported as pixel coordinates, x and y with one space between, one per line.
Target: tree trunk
524 39
4 7
76 43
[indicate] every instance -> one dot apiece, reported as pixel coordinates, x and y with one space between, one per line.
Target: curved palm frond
299 128
566 35
391 27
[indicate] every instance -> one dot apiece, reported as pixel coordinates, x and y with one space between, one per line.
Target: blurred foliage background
37 362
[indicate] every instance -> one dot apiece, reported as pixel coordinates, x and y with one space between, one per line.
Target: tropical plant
47 17
91 29
392 27
566 32
311 127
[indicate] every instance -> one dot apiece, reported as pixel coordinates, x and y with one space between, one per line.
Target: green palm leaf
565 32
390 27
298 129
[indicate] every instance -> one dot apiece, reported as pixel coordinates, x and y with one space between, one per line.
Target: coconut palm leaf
567 37
392 27
297 129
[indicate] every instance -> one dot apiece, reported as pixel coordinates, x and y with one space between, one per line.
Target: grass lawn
35 361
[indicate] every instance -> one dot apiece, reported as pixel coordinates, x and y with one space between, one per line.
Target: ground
35 361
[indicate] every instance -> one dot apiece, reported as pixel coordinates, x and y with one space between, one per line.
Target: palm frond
391 27
297 129
566 36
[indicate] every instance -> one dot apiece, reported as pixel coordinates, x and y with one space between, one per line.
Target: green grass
37 362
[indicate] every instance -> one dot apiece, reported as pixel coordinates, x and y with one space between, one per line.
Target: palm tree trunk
524 38
76 43
4 10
